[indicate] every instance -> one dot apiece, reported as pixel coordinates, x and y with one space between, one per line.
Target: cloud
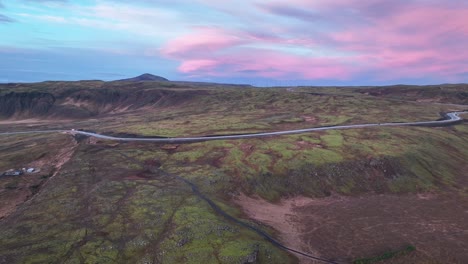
45 1
419 41
322 39
5 19
331 39
215 52
203 40
138 23
197 65
291 11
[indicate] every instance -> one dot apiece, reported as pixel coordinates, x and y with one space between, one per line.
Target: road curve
450 118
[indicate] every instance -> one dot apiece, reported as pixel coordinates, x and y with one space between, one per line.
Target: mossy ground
104 206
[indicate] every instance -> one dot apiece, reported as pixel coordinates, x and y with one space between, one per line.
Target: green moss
188 156
281 148
333 139
260 160
385 256
131 213
321 156
99 252
234 250
347 187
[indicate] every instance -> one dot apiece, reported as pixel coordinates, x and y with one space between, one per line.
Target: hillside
340 195
146 77
448 93
83 99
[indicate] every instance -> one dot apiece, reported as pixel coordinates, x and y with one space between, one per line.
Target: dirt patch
310 119
464 116
169 148
22 121
247 149
10 200
281 217
63 156
57 160
31 184
121 109
31 121
76 103
21 124
428 100
218 162
16 190
93 141
138 176
347 228
369 225
307 145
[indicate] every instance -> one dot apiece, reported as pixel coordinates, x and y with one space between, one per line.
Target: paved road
450 118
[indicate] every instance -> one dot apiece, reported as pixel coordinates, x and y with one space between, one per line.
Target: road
450 118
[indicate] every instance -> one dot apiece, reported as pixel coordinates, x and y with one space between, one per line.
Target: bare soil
11 199
27 121
76 103
310 119
307 145
281 217
347 228
23 188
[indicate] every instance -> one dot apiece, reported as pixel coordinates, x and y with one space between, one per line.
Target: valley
339 195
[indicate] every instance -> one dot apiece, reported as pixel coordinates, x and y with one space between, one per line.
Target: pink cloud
215 52
397 39
189 66
248 61
201 41
418 42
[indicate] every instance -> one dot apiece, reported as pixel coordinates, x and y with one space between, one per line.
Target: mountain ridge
146 77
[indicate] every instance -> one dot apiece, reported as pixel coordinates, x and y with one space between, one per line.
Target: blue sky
262 42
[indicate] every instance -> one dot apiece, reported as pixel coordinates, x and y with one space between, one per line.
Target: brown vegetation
369 225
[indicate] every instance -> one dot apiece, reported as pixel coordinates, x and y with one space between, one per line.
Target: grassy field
96 201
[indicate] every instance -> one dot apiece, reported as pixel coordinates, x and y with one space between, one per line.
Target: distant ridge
145 78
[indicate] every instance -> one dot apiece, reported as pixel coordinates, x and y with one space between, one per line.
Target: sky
260 42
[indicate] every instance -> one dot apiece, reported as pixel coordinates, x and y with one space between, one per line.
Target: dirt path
62 157
31 121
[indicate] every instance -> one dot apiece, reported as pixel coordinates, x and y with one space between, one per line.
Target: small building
13 173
